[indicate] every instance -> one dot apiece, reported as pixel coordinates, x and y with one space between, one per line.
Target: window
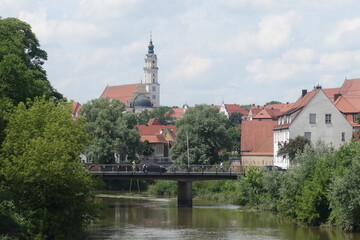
307 135
153 88
328 118
343 136
153 97
312 118
355 117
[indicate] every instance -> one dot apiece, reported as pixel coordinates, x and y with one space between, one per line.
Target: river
136 217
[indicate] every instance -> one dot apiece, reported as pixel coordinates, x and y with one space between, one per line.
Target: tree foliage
345 188
272 102
204 128
21 73
162 114
42 172
113 131
235 119
294 146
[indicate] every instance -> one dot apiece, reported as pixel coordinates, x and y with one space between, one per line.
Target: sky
209 51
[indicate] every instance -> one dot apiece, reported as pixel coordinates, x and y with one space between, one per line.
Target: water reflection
148 218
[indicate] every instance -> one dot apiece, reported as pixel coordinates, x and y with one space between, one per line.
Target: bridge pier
184 194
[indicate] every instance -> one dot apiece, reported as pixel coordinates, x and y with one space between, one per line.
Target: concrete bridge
183 174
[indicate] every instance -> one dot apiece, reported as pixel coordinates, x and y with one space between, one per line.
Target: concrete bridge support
184 194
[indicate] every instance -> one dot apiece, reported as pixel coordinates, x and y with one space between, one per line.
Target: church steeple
151 75
151 47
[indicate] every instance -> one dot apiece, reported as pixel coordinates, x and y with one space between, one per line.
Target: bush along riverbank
321 188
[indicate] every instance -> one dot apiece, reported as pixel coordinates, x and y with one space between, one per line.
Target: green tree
304 188
234 135
21 72
292 147
113 131
235 119
162 115
272 102
204 128
42 173
345 188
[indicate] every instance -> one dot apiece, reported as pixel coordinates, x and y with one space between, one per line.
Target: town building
160 137
229 109
315 117
139 96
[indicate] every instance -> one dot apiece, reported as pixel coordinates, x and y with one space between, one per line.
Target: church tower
151 75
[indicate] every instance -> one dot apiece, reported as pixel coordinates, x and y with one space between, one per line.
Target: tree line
321 188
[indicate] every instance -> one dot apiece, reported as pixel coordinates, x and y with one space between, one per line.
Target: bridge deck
176 176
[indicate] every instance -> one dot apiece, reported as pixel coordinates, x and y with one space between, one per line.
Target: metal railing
173 168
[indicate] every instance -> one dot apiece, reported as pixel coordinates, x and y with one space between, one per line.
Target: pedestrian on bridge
133 166
221 167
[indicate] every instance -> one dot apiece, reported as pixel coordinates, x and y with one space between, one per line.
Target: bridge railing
173 168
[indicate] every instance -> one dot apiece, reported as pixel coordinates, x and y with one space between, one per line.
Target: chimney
336 96
303 93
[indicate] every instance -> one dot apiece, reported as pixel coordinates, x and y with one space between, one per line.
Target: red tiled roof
153 121
178 112
345 106
231 108
153 129
257 135
121 92
330 92
303 101
351 91
154 139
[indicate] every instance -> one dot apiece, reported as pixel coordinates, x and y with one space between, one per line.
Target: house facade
315 117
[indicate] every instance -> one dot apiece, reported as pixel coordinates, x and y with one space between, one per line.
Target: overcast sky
238 51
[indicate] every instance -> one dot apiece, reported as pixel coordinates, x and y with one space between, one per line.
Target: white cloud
349 28
245 3
340 61
133 47
270 73
41 26
108 9
190 67
74 31
299 55
274 31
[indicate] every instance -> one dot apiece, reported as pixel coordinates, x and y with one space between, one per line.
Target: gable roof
178 113
302 101
232 108
120 92
345 106
257 136
351 91
330 92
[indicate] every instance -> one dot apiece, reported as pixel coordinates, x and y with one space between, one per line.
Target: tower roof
151 47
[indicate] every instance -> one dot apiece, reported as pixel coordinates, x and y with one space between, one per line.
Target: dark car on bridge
153 167
273 167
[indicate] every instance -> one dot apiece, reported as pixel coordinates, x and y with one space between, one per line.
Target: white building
315 117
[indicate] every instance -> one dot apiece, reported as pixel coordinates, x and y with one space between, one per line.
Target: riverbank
322 190
134 216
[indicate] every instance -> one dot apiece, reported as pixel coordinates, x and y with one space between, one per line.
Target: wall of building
257 160
330 133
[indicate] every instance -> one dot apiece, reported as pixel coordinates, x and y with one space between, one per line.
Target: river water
135 217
